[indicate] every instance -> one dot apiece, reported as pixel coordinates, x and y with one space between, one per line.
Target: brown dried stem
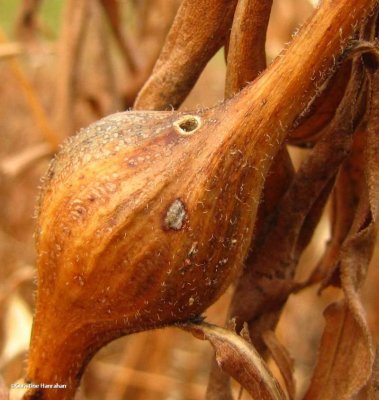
246 51
155 21
186 52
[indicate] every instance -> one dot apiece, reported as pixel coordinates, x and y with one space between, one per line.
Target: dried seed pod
145 217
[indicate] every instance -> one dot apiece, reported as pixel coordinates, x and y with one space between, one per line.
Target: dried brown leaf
301 207
308 128
356 254
239 359
371 390
351 343
349 179
343 203
346 339
313 218
345 359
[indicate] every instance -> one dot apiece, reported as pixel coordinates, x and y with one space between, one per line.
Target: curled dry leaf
318 114
345 195
351 344
240 360
344 362
346 339
371 390
351 181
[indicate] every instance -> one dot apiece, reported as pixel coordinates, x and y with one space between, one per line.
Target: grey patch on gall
175 216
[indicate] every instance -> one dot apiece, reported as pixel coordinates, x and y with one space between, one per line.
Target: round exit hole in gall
187 125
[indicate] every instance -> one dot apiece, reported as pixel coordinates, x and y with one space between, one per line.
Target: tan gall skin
146 217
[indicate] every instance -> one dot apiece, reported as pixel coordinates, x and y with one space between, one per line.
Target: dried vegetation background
67 63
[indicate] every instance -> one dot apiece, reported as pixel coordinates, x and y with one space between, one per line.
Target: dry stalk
186 52
246 50
155 19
